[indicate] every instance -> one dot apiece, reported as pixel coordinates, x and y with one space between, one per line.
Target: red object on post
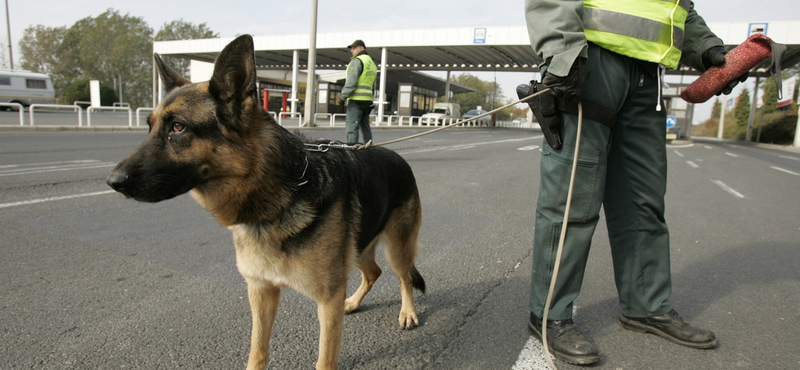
265 100
741 59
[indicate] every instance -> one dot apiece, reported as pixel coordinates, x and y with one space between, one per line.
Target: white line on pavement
784 170
467 146
731 154
692 164
42 200
678 153
48 163
728 189
532 357
54 169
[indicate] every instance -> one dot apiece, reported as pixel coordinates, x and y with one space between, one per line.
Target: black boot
565 341
671 327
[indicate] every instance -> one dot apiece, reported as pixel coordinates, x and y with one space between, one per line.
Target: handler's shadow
698 286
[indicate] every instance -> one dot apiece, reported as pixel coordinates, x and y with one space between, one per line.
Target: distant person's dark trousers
358 118
624 170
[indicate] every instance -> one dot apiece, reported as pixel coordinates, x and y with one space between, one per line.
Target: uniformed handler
358 92
612 54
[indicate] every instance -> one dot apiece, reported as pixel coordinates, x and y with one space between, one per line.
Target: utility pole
8 24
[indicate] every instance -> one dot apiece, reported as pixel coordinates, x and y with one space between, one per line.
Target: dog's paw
350 305
408 320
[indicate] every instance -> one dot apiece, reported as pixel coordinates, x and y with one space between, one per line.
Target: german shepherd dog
300 218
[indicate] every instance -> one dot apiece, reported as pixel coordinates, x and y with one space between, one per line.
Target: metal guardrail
57 106
290 114
140 109
90 109
20 108
329 115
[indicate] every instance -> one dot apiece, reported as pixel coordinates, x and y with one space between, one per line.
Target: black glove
715 57
571 87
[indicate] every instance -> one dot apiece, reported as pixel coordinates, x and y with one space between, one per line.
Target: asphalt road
91 280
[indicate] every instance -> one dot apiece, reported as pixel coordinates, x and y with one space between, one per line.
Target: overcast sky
262 18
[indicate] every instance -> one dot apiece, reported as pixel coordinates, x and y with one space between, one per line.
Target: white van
26 88
442 111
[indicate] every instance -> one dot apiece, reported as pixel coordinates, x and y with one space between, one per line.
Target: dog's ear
169 78
234 78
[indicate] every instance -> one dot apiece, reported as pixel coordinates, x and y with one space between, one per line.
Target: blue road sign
671 121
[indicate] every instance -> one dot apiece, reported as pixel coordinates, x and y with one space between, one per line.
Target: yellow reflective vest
366 79
650 30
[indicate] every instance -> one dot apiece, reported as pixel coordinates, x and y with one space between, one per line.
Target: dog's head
196 132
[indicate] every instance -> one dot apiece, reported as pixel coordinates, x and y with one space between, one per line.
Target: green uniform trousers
358 117
624 170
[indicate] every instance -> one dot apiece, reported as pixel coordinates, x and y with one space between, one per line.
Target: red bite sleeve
738 61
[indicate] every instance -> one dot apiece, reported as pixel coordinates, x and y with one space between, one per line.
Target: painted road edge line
42 200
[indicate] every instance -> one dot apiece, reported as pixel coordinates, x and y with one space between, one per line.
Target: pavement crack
476 308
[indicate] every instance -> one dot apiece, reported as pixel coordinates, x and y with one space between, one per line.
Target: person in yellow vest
611 54
357 92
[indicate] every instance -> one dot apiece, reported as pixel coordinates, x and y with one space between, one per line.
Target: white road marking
28 171
42 200
732 155
678 153
532 355
49 163
468 146
689 145
728 189
792 158
529 147
461 147
707 146
692 164
784 170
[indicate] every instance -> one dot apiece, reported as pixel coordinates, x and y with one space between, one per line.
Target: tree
742 109
3 60
182 30
486 95
770 96
115 49
716 110
39 48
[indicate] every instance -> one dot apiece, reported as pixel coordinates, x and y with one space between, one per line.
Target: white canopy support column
447 88
797 129
382 89
751 118
723 109
295 67
155 82
311 83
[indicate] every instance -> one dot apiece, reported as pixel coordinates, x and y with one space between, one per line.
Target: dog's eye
178 127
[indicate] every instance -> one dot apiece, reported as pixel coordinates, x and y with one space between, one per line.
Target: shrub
79 91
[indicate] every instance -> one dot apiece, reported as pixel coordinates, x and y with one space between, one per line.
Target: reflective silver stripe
364 87
362 94
677 38
631 26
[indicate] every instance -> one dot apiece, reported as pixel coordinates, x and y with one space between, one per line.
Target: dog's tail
416 279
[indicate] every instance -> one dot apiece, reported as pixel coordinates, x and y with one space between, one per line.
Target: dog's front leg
264 298
331 316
